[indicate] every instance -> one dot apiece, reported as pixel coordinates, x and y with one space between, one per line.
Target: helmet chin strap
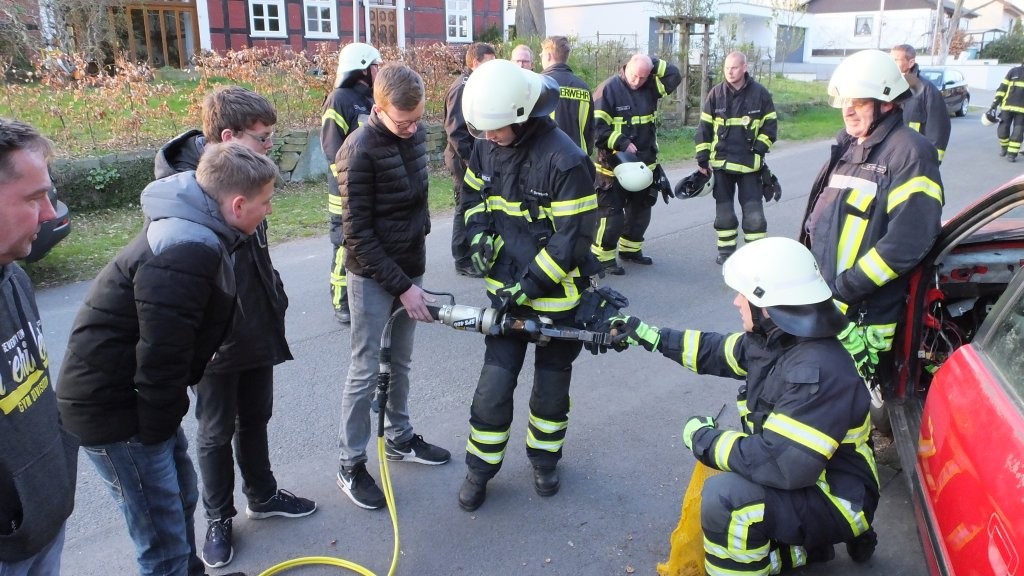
879 116
756 316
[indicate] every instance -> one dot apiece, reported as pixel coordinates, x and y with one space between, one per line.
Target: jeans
46 562
234 405
371 306
154 485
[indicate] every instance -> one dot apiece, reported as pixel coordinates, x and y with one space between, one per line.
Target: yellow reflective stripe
740 523
920 184
626 245
763 138
855 518
741 407
646 119
502 205
548 426
915 126
705 117
479 208
602 115
551 269
334 169
733 121
584 115
546 445
572 207
860 199
941 153
842 306
473 181
332 114
730 354
752 236
603 170
859 438
741 555
703 147
489 457
691 344
801 434
334 204
614 138
723 446
488 436
849 242
872 265
560 303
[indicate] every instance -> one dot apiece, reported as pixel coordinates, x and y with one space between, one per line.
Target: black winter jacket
151 320
38 458
383 183
737 127
460 141
257 336
575 111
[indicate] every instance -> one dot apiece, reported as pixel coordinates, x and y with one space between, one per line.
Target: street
624 469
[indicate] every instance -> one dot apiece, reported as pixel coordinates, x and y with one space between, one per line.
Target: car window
1005 344
933 76
955 76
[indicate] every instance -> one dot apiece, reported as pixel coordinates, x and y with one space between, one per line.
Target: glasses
401 126
261 139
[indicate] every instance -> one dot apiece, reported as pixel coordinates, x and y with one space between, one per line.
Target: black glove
770 186
703 164
662 184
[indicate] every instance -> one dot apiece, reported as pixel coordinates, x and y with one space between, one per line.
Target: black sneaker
636 257
359 486
217 551
416 450
284 503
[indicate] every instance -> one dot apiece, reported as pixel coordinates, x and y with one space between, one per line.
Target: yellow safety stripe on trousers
729 348
488 436
472 180
726 238
562 208
494 458
548 304
332 114
547 426
739 527
691 344
551 269
872 265
919 184
855 518
595 248
801 433
334 204
546 445
723 447
749 237
743 556
629 246
859 438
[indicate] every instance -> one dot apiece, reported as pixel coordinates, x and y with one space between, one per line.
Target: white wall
587 19
836 31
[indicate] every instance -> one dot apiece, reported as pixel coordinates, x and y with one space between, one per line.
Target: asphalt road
624 469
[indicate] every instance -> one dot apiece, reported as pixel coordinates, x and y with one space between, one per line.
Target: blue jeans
155 486
46 562
371 306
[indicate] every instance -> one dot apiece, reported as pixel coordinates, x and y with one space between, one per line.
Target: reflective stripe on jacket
737 127
575 111
1010 95
344 110
925 112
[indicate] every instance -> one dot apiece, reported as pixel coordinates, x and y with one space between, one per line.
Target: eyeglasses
401 126
261 139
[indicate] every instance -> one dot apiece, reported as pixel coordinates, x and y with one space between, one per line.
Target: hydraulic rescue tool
496 322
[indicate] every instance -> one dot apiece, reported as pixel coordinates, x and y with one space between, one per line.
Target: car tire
963 107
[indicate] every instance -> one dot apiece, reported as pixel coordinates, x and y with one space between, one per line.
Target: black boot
545 480
862 547
637 257
472 493
722 257
613 268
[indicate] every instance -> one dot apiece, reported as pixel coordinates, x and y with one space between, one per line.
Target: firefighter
925 110
875 208
346 108
530 211
738 126
575 111
800 475
625 107
1010 102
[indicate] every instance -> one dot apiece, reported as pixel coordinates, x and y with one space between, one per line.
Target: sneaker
359 486
284 503
217 551
416 450
342 315
637 257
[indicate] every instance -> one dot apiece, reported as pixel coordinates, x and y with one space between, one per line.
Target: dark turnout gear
1010 100
874 211
737 128
346 108
575 111
925 111
624 116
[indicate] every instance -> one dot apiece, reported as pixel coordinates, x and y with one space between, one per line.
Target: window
862 27
1004 346
266 18
459 20
320 19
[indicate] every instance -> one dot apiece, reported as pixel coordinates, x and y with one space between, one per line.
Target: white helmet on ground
781 275
632 174
866 74
355 57
499 93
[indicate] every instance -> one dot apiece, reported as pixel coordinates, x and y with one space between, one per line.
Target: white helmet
355 57
866 74
499 93
632 174
780 274
990 117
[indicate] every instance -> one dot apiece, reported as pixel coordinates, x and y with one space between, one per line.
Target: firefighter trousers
490 415
747 187
1010 131
339 278
622 220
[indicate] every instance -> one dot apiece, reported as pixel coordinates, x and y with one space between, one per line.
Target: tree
530 19
943 37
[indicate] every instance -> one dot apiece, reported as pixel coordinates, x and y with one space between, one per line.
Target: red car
956 404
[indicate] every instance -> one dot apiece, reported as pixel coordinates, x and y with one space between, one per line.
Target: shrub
1009 48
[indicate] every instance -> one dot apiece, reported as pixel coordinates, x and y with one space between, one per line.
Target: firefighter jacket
537 198
345 109
575 111
383 182
873 213
460 141
803 409
925 111
1010 95
257 336
737 127
623 116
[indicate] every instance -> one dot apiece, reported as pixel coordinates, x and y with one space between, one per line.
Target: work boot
722 257
342 314
612 267
217 550
862 547
1002 152
637 257
545 480
472 493
1011 157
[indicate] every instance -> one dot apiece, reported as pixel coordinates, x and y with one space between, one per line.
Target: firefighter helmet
696 185
353 58
632 174
498 94
780 275
990 117
867 74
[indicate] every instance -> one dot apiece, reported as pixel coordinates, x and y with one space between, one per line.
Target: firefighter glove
770 186
512 293
482 248
630 330
694 424
662 184
865 357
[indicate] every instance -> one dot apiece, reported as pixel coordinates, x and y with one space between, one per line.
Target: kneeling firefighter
801 476
530 212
